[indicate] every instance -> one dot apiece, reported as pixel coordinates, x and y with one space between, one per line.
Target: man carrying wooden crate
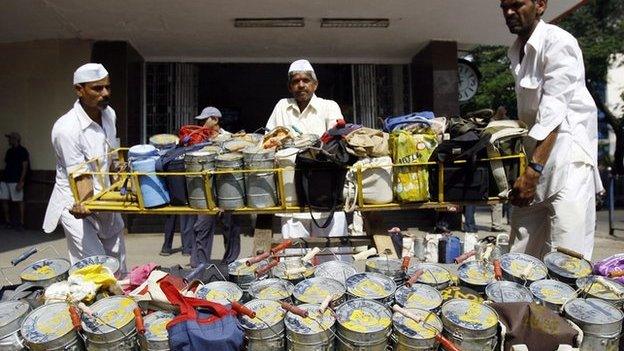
85 132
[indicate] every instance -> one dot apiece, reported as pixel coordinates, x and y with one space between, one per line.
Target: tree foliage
599 28
496 87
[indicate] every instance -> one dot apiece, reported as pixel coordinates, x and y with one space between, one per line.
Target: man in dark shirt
13 178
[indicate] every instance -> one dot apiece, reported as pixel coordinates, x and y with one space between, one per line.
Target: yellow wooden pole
74 187
207 177
137 188
281 188
523 162
360 193
440 182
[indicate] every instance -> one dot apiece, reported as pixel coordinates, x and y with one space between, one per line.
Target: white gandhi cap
89 72
301 66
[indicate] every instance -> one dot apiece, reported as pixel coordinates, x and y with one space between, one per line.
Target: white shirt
551 93
319 116
76 138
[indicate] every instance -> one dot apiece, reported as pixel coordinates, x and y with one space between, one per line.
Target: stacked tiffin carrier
417 158
363 301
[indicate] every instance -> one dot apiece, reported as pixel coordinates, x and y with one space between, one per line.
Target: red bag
192 134
217 330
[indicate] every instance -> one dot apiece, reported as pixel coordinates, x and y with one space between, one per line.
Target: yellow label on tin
362 321
369 287
473 315
517 269
272 292
573 265
56 325
43 272
434 277
308 272
119 316
216 295
478 276
315 320
424 332
416 300
268 314
598 289
159 329
314 292
552 295
244 270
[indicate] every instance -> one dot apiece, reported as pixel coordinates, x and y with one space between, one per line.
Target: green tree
599 29
497 84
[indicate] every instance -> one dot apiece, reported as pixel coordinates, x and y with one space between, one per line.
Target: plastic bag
411 183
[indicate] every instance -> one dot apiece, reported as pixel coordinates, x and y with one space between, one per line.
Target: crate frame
110 199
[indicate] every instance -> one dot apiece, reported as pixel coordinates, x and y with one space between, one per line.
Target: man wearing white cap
85 132
308 114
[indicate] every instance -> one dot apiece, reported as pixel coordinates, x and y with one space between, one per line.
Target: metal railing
113 199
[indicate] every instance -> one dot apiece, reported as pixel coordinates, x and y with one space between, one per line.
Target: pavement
144 248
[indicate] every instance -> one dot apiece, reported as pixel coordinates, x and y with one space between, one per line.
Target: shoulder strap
175 153
187 305
471 153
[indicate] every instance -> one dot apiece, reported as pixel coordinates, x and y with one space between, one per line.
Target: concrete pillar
434 79
124 65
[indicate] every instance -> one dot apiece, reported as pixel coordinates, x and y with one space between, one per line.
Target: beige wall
36 89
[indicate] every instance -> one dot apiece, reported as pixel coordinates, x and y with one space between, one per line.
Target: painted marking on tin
272 292
364 321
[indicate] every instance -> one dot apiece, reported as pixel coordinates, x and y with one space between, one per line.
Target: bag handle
304 181
472 152
187 305
351 185
175 153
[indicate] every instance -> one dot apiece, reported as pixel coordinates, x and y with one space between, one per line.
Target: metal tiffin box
600 321
470 325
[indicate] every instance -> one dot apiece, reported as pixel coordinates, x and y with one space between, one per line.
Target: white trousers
293 228
305 228
566 219
98 234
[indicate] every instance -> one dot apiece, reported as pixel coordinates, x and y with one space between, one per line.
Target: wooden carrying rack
112 199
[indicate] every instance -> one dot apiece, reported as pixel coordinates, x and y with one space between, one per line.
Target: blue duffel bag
422 117
217 329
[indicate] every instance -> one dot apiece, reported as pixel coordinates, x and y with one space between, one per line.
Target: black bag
463 182
467 181
173 161
320 177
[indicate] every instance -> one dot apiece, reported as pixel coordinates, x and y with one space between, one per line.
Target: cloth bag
216 330
376 182
505 138
320 178
411 183
286 159
368 142
173 161
535 326
396 122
